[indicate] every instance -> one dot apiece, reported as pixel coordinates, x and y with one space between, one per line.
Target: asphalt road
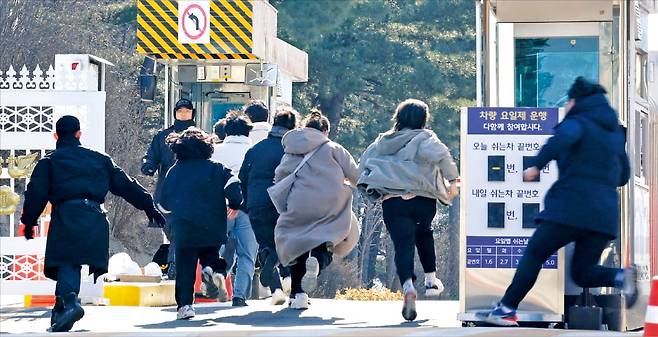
324 318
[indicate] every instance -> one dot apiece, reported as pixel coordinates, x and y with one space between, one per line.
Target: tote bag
279 192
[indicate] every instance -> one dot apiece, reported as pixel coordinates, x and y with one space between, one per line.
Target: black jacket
589 147
79 231
257 171
194 194
159 156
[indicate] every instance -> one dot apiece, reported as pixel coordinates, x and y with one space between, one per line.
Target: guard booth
217 53
528 55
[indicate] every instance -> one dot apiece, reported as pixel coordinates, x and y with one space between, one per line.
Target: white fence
29 108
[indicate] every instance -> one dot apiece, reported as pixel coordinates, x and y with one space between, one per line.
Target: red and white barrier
651 320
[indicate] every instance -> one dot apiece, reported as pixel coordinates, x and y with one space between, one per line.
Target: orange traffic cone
197 287
229 287
651 320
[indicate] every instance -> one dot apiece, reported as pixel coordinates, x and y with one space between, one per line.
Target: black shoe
239 302
57 309
269 261
71 313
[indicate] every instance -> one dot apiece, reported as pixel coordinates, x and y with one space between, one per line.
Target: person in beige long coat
319 221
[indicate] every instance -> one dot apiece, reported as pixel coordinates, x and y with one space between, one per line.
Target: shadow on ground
262 319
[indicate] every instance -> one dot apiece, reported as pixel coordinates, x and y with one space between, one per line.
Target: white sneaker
409 305
185 312
286 284
300 302
434 289
310 279
278 297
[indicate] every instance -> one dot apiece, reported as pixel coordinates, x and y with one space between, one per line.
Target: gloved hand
156 219
148 169
28 232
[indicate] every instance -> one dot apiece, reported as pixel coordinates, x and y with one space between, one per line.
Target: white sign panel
194 21
500 206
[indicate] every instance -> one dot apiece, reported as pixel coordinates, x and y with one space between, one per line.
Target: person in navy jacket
582 205
198 196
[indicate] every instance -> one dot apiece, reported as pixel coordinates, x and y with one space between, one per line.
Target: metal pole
166 97
478 52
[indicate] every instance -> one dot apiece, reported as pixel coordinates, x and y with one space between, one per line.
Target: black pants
410 224
548 238
68 280
263 220
298 269
186 262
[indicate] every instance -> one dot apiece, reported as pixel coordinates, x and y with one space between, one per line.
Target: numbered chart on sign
501 207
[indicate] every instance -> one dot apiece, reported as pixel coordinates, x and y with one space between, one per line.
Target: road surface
334 318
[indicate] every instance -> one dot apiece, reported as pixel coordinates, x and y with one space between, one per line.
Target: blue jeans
246 249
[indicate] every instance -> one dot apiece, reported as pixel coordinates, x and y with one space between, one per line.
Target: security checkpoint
218 54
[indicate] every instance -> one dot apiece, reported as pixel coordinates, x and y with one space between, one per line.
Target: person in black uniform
198 195
160 158
75 180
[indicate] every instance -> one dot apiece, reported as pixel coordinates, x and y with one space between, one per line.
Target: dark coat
257 171
79 231
589 147
194 194
159 156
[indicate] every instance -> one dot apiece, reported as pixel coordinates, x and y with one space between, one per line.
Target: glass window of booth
546 67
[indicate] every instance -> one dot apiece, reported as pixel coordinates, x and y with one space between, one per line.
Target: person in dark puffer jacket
256 175
582 205
198 196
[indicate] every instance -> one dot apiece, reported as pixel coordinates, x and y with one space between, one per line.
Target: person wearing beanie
581 206
159 158
76 180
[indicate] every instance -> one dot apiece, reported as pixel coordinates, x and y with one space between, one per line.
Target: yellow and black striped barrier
223 28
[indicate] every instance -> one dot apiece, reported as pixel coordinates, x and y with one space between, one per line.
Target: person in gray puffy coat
407 167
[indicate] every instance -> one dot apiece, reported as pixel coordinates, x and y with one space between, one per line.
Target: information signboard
499 207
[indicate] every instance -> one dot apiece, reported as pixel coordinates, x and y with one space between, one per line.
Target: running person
196 193
75 180
256 175
581 206
230 153
318 221
406 166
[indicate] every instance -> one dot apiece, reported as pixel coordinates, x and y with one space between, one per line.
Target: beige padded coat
320 201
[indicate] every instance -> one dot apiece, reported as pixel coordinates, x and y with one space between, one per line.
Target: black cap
67 125
183 103
582 88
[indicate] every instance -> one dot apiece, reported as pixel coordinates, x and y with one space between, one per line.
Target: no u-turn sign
194 21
